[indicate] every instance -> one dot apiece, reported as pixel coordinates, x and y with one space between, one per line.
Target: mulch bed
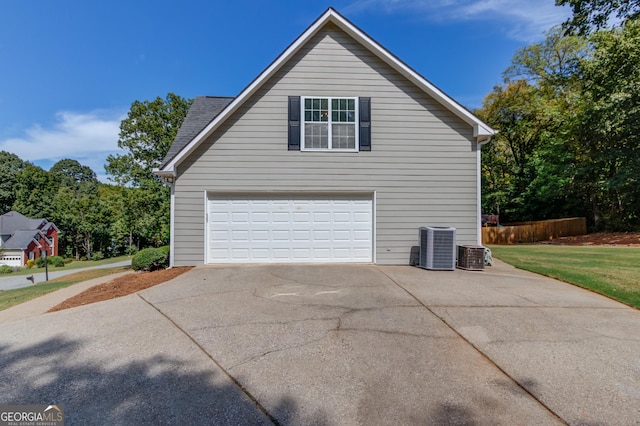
121 286
628 239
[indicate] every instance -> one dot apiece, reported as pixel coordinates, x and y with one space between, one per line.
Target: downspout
479 144
172 226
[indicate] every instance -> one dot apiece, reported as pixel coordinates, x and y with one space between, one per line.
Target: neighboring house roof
21 239
21 230
202 111
481 131
11 221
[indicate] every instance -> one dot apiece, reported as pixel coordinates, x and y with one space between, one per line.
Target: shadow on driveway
157 390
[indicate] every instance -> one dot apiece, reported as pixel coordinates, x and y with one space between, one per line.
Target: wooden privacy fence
530 232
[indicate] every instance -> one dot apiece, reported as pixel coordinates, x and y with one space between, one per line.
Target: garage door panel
290 229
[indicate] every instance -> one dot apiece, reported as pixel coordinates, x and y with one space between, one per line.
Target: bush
150 259
56 261
97 255
30 263
67 260
5 269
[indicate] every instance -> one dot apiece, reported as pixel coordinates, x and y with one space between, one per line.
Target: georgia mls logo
31 415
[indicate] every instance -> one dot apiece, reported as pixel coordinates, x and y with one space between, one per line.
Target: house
22 238
337 152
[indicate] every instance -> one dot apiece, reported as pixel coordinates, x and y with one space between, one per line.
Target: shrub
150 259
67 260
5 269
56 261
97 255
30 263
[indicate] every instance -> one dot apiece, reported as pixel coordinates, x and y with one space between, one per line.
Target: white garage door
255 229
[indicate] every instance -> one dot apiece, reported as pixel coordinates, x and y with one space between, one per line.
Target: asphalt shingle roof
202 111
10 222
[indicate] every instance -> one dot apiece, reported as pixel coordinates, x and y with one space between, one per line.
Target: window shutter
365 124
294 123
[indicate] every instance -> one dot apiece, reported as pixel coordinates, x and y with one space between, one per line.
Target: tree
71 174
74 206
10 166
34 192
551 64
596 14
146 135
609 124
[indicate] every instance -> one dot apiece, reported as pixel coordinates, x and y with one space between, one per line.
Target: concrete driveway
340 344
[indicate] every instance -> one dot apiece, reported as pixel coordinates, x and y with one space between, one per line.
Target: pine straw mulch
121 286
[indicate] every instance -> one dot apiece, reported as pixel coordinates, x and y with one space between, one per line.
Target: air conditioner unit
437 248
471 258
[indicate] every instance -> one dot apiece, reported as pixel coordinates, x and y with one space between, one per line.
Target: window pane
307 116
316 135
324 104
334 104
307 103
343 116
343 104
316 104
316 116
351 116
351 104
343 136
334 116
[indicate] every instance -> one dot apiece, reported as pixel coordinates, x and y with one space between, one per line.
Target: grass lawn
611 271
9 298
76 264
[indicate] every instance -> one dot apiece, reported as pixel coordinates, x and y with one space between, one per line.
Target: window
330 124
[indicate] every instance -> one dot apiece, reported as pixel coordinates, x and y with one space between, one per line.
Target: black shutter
365 124
294 123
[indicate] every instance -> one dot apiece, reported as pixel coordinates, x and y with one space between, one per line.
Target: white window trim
330 149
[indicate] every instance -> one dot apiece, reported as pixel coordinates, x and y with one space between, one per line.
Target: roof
21 239
202 111
481 131
10 222
22 230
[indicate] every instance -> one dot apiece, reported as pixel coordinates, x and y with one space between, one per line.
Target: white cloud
86 137
523 20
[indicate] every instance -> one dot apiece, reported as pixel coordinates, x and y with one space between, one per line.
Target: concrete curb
42 304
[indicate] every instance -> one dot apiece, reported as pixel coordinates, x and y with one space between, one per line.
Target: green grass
9 298
76 264
611 271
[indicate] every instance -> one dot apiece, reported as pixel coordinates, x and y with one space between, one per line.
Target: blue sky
70 69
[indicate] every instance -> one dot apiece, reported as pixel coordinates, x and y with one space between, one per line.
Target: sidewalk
42 304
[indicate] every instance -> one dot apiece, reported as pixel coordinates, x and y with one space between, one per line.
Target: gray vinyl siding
422 166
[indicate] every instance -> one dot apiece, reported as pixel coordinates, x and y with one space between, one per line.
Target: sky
70 69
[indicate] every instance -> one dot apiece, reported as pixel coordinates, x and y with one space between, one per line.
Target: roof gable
12 222
481 131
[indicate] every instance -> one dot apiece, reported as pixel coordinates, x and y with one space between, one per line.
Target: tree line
98 219
568 116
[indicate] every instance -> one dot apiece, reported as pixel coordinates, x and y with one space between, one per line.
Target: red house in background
22 238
